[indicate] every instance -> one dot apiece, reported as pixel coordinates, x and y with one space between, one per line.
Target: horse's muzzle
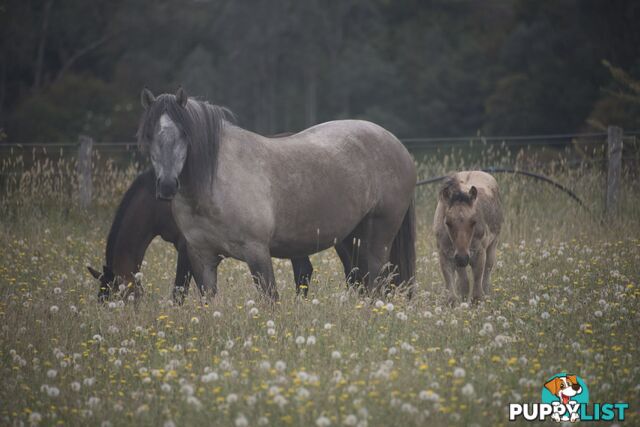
461 260
166 189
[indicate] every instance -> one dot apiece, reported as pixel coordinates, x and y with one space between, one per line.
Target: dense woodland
417 67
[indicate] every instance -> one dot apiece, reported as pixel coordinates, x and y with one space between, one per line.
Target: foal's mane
451 187
200 122
143 182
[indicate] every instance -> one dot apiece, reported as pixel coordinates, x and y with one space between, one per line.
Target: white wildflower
323 421
241 421
468 390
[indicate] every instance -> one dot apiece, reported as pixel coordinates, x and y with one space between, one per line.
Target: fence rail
412 142
613 140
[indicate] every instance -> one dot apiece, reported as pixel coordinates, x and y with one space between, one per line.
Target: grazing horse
467 224
241 195
139 218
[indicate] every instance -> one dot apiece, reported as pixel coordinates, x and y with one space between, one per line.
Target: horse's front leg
448 274
259 262
477 267
205 273
183 274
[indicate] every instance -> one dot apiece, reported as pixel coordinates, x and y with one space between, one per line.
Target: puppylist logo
565 397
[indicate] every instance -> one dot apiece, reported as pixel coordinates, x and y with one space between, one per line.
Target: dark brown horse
139 218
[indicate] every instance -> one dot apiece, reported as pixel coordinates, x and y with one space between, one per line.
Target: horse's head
107 282
166 138
460 219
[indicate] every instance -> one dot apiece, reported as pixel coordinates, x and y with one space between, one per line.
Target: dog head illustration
564 388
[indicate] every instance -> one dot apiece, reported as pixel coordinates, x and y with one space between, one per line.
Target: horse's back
309 189
353 144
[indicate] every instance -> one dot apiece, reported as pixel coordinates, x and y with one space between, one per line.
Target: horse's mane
455 194
143 181
200 122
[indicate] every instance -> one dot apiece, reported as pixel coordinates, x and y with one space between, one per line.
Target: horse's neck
135 232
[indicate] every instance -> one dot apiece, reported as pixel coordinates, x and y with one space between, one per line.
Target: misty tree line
417 67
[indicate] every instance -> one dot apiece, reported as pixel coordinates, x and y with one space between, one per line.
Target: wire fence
580 148
559 139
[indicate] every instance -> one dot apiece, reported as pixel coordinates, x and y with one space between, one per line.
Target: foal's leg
183 274
448 274
477 267
488 267
462 282
259 262
302 271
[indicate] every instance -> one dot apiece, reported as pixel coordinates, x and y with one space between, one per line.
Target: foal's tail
403 251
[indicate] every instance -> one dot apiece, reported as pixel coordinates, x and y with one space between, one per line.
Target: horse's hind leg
377 249
347 252
302 271
488 267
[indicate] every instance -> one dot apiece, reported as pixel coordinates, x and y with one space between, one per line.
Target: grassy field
565 298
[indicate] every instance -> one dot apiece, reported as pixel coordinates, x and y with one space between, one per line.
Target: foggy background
419 68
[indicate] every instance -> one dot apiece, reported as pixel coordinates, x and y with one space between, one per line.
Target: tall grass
565 298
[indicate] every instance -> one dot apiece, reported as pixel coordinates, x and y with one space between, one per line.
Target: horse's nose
461 260
166 188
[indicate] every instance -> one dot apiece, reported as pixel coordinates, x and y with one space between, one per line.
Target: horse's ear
445 194
147 98
473 192
181 97
95 273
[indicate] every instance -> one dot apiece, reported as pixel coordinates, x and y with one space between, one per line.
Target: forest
419 68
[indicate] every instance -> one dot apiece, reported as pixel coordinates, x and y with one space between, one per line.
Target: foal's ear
147 98
181 97
473 192
445 194
95 273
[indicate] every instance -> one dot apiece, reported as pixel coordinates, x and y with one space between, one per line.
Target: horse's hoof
179 295
452 301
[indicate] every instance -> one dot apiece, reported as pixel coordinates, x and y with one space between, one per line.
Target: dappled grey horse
238 194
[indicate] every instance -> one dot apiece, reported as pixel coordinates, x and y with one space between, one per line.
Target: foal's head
460 218
164 130
107 282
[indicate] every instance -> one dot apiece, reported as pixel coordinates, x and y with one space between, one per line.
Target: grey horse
238 194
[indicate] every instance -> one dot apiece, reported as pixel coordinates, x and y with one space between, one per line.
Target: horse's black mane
144 180
454 194
200 122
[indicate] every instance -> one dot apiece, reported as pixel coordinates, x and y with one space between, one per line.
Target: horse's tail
403 251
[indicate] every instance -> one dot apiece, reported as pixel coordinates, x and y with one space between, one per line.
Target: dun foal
467 223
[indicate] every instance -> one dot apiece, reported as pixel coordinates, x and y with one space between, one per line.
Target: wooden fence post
614 156
85 185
